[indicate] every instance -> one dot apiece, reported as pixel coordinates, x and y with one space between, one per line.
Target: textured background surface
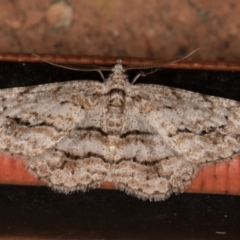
138 28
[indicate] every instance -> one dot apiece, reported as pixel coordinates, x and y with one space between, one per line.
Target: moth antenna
74 67
160 62
156 64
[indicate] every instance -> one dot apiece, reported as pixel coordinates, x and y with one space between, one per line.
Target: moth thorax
117 81
115 111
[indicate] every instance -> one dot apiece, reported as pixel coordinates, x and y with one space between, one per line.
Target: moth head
117 79
118 68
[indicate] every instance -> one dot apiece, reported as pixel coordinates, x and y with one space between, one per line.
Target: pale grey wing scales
197 127
81 158
186 130
140 140
144 164
39 123
153 181
66 173
33 119
167 134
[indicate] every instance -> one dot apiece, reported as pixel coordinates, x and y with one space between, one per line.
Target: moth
149 140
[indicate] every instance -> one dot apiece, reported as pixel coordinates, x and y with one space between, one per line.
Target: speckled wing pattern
149 140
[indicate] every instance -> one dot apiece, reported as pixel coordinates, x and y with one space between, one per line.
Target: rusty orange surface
222 178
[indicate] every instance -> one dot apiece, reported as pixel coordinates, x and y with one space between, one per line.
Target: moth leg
143 74
102 75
